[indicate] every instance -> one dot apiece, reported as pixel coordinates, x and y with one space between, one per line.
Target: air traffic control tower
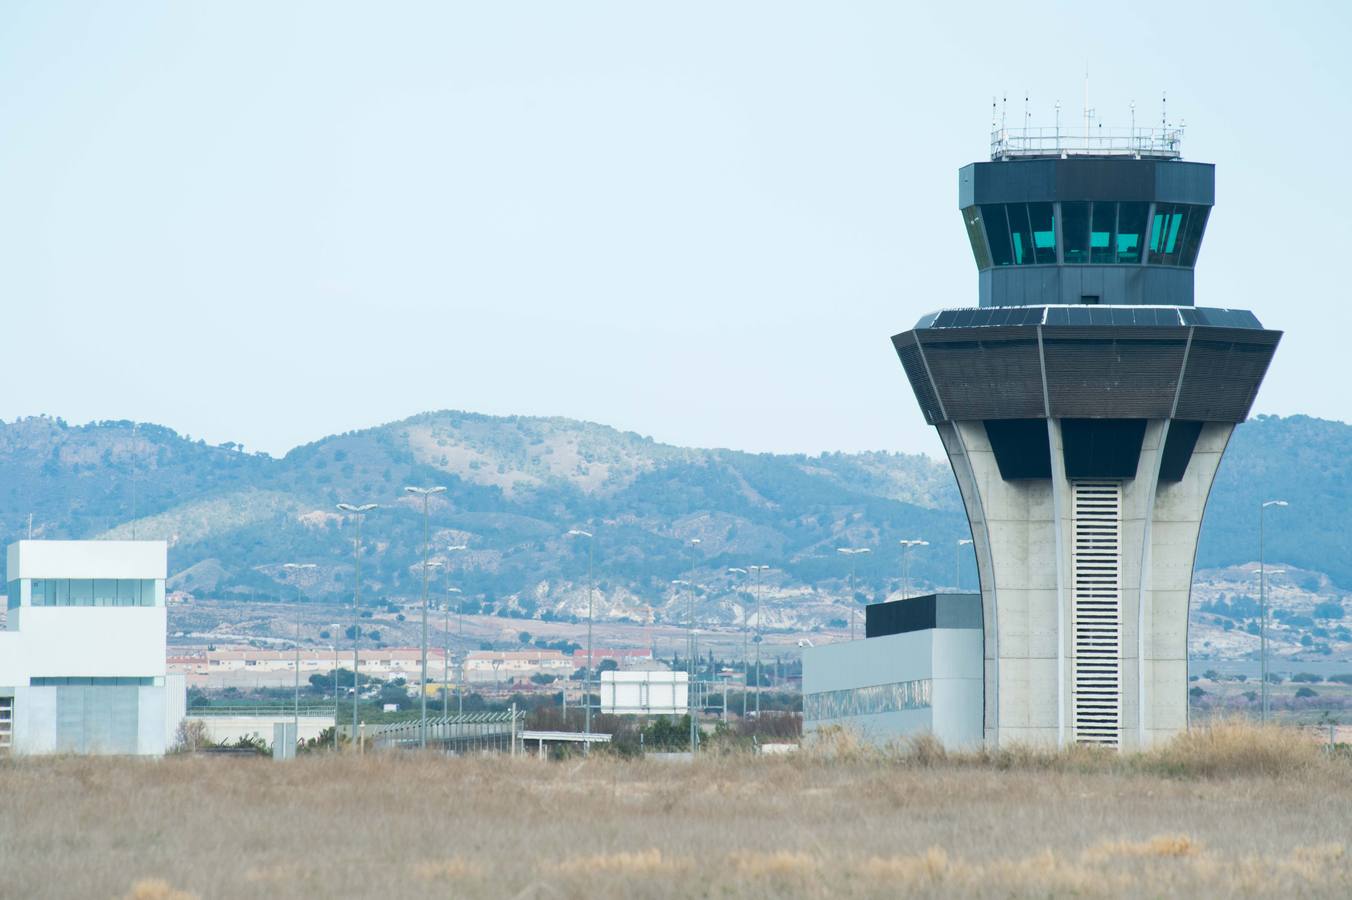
1084 404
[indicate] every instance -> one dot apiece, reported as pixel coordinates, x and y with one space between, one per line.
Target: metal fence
1151 143
479 732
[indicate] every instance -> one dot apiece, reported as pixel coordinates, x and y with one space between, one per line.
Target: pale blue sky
267 222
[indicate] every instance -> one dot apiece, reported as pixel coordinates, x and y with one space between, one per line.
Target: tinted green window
37 592
14 594
1075 232
1192 239
971 218
105 592
62 592
1130 229
1164 229
1043 223
81 592
1101 235
129 592
1020 235
997 233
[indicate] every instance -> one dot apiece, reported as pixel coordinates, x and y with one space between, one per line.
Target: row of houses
238 664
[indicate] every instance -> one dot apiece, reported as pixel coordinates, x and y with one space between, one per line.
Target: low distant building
918 670
82 661
622 657
492 666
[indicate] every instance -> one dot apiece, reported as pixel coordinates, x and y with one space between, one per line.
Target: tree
607 665
1304 692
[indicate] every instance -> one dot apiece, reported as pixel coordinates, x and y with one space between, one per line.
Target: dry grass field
1228 811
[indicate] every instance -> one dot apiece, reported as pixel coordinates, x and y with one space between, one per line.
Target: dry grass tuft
927 867
157 889
774 864
1230 748
1160 846
447 869
642 864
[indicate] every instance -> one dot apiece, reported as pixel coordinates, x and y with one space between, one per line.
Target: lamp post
690 655
460 621
746 681
758 570
957 564
446 654
333 647
851 552
426 494
360 513
591 591
295 714
906 565
1262 602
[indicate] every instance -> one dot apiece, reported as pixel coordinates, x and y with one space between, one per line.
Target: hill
517 484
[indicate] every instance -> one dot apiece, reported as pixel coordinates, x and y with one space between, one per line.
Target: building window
120 681
865 701
1075 232
1130 228
89 592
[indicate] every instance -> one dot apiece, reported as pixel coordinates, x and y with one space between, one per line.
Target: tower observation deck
1084 405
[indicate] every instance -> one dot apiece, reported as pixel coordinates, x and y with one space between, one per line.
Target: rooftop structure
82 662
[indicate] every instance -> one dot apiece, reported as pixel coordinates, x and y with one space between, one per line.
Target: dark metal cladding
964 372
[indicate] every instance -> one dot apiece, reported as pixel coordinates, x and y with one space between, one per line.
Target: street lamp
295 716
746 682
446 652
957 563
906 565
360 513
758 570
426 494
460 620
690 656
591 591
1262 602
333 648
851 552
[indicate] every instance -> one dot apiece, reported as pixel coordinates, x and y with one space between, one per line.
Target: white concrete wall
232 728
87 559
1023 537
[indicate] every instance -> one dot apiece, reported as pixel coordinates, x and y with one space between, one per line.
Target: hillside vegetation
517 484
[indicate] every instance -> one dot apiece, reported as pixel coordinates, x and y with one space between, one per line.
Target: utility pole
760 635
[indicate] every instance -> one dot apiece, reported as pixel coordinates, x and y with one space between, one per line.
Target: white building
82 662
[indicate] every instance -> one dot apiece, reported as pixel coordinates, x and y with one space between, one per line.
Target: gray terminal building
1084 405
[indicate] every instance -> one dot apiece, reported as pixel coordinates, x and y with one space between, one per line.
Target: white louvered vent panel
1097 615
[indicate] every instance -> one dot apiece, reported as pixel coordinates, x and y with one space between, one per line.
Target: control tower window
997 232
1101 234
1130 229
1192 237
1075 232
971 218
1020 235
1043 222
1164 233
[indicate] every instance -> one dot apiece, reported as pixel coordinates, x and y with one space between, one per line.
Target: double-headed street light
758 571
360 513
906 565
1262 602
957 563
426 494
591 592
851 552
